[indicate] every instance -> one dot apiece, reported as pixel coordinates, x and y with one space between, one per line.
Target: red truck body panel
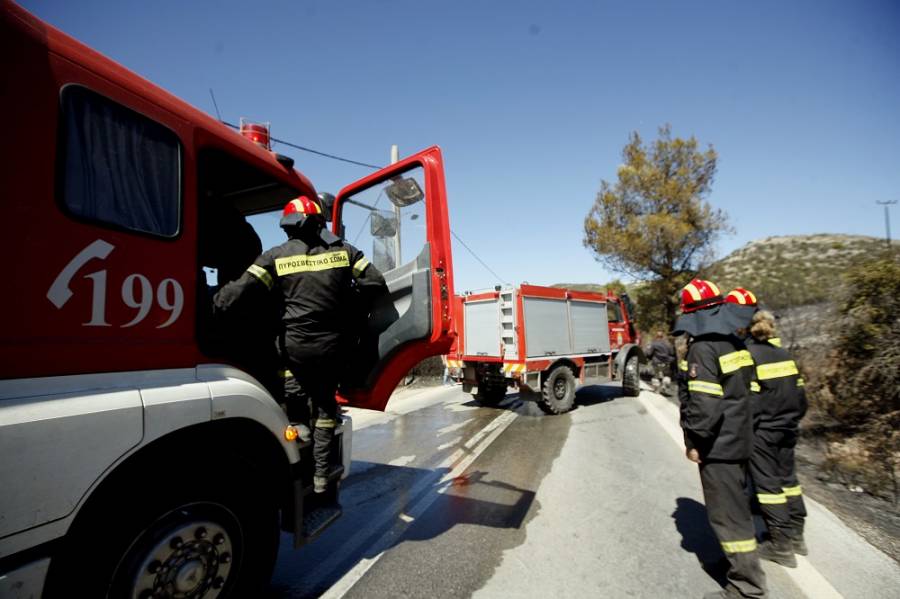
86 297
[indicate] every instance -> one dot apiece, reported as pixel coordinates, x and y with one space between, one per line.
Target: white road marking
402 460
461 406
666 421
805 576
451 427
449 444
461 459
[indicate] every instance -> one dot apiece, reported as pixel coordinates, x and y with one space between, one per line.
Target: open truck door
398 218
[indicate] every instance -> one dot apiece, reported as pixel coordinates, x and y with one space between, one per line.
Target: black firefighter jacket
714 392
778 394
319 288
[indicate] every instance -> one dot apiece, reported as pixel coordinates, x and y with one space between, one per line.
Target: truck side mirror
404 192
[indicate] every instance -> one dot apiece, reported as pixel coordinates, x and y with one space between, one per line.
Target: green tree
654 222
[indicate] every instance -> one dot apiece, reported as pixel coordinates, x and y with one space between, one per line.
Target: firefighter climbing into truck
314 274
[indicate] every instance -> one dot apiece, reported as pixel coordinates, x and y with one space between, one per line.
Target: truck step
316 521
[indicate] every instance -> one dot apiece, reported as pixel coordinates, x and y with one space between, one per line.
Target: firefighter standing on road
662 357
780 403
317 276
717 419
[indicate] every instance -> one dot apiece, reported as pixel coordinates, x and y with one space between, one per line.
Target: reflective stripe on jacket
779 399
714 392
319 288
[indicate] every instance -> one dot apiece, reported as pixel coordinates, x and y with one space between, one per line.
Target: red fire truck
540 340
139 457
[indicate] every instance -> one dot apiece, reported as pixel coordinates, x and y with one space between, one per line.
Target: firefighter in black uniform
717 419
661 355
780 404
320 280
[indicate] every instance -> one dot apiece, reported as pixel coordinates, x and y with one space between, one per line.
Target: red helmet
296 211
700 294
741 296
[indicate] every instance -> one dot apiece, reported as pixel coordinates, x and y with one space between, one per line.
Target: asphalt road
449 499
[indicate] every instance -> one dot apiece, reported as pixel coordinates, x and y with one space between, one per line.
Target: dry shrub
868 459
858 385
432 366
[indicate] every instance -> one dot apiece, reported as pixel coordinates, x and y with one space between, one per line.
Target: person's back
315 274
781 398
661 351
317 283
719 417
661 355
780 403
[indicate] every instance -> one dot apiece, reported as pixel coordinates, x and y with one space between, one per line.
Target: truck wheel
188 536
631 377
558 392
490 395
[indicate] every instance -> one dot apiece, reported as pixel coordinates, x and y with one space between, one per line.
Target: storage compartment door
590 331
482 326
546 327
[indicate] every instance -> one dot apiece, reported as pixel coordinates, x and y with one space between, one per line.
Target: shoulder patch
693 370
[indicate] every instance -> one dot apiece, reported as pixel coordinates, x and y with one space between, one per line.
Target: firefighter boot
798 543
323 438
778 549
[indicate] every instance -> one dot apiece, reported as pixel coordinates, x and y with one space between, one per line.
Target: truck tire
558 391
631 377
198 534
490 395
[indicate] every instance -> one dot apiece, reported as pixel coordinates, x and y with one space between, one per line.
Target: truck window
613 312
118 167
389 234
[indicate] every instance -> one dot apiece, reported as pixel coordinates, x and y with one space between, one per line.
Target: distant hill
790 270
793 270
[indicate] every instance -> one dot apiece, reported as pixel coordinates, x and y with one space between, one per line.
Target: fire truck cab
141 457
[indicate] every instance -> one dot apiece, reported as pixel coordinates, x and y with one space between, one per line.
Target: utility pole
395 158
887 219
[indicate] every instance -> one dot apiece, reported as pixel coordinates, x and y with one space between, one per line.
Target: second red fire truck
541 340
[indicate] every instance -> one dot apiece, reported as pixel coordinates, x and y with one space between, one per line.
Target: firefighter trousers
728 509
317 379
778 491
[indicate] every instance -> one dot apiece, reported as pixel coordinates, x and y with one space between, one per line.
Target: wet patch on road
454 548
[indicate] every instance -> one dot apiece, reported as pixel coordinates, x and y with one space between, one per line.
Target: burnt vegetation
838 302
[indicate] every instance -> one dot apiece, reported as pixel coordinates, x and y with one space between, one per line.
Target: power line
213 96
333 157
311 151
499 278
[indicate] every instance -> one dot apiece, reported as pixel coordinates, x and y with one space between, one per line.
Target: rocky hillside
793 270
784 271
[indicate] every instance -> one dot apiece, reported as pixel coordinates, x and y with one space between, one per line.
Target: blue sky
532 102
